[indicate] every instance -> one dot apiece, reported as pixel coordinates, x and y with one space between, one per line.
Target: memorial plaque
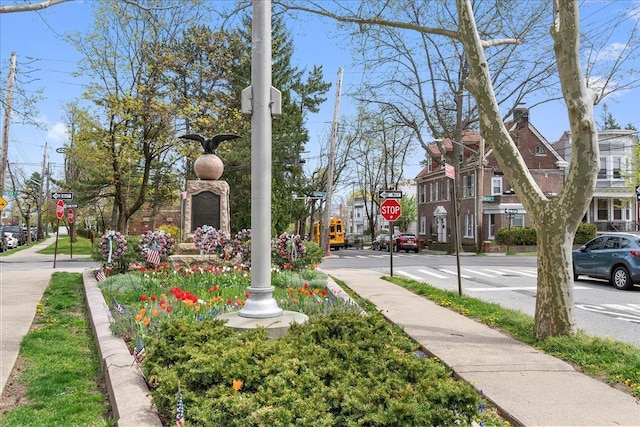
205 210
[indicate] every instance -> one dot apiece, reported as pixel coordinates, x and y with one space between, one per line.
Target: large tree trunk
554 302
556 220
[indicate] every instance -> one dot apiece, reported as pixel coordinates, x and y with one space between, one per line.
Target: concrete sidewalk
23 280
528 386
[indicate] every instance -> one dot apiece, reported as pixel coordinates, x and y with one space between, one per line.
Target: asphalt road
600 309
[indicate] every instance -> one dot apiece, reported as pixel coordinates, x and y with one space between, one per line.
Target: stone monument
207 200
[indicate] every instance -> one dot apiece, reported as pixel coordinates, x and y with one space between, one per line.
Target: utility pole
7 119
324 235
41 200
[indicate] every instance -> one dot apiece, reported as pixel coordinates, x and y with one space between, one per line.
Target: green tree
133 125
409 213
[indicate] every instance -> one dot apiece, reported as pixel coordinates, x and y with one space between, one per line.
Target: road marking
515 288
477 272
411 276
454 273
429 273
606 309
523 273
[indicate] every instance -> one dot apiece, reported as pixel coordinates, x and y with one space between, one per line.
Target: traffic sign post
59 215
510 214
70 218
391 210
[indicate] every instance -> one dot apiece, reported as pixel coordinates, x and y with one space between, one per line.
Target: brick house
485 191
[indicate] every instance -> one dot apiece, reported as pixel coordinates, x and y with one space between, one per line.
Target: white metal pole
261 303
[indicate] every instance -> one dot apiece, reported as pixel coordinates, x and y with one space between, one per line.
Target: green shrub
516 236
527 235
585 233
339 369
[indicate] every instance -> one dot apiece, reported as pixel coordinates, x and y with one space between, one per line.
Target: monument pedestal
207 204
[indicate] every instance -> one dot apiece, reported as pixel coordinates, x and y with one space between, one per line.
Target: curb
126 386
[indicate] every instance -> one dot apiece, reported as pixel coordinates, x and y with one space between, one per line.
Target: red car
407 242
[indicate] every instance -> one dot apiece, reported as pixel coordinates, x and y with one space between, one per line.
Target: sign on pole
61 196
390 209
450 171
70 216
390 194
3 203
60 209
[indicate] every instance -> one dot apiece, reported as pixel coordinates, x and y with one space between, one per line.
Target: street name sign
390 209
390 194
71 205
61 196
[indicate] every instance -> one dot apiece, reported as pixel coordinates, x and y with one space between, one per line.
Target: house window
447 193
434 191
518 220
423 225
617 167
469 187
422 193
429 164
602 173
469 225
539 151
496 186
602 212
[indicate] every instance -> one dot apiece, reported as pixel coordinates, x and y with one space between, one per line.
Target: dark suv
407 242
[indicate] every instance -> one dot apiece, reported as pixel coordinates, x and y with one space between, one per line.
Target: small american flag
153 257
100 276
117 308
139 352
180 411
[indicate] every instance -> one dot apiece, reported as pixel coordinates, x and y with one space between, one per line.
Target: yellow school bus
336 233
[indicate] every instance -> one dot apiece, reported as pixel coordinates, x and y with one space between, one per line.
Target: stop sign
60 209
70 216
390 209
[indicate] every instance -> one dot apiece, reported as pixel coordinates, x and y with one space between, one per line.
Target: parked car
353 241
381 243
17 233
613 256
12 242
407 242
3 241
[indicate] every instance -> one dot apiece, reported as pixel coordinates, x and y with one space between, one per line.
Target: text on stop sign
390 210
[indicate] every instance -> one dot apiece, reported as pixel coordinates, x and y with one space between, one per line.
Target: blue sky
46 61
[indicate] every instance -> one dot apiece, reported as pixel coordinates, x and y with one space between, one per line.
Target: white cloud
58 133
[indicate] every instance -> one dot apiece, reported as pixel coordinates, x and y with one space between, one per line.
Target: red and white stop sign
60 209
390 209
70 216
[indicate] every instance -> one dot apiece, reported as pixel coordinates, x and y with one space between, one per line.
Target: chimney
521 114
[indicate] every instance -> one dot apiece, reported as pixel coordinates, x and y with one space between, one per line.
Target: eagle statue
210 145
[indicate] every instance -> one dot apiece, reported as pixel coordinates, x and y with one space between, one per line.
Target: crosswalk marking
478 272
464 276
521 272
429 273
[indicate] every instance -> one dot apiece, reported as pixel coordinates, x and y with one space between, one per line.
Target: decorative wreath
290 247
207 239
156 241
113 246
